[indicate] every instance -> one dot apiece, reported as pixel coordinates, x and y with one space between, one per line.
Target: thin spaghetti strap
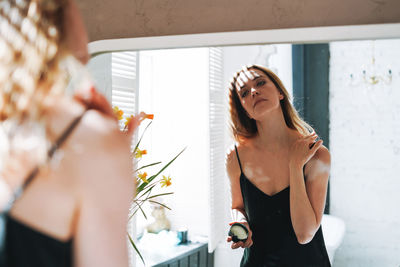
237 155
56 145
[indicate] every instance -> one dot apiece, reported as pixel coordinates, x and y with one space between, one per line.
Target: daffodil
128 120
139 153
142 183
146 116
143 176
149 116
119 113
165 181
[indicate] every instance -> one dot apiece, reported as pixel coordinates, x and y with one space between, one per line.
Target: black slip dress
23 246
274 240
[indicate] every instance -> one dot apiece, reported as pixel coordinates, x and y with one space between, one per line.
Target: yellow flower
119 113
128 120
143 176
165 181
139 153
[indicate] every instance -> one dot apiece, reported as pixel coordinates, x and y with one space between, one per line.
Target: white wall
100 69
365 149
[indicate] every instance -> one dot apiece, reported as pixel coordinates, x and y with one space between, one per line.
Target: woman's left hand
303 150
246 244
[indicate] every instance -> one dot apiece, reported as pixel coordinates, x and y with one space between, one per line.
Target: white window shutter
124 71
217 186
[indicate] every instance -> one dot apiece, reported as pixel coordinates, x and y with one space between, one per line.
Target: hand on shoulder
322 154
320 163
303 149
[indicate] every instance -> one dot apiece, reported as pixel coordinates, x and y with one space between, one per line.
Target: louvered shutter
124 93
217 120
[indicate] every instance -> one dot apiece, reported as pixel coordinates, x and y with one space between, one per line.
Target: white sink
333 229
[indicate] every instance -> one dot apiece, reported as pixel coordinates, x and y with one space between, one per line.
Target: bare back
84 194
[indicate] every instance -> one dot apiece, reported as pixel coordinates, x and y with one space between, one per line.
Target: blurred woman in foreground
66 169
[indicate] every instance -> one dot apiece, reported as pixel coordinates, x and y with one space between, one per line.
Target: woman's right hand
303 149
92 99
248 243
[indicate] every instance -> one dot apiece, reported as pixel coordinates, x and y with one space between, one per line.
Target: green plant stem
141 187
140 140
149 165
161 204
134 246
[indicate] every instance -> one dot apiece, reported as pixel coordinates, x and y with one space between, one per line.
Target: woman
278 175
74 163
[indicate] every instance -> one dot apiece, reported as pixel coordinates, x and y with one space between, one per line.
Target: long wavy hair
244 127
31 53
31 44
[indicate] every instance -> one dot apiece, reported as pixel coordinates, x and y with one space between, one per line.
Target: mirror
364 124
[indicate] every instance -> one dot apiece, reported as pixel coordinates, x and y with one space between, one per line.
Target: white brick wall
365 149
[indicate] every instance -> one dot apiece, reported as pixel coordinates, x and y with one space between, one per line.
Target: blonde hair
31 53
30 41
245 127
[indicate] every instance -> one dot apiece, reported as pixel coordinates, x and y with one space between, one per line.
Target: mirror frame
293 36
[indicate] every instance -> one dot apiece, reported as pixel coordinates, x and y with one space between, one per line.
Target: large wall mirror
345 81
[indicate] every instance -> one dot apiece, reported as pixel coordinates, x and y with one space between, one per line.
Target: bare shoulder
98 124
104 150
230 157
102 132
323 155
232 163
320 163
